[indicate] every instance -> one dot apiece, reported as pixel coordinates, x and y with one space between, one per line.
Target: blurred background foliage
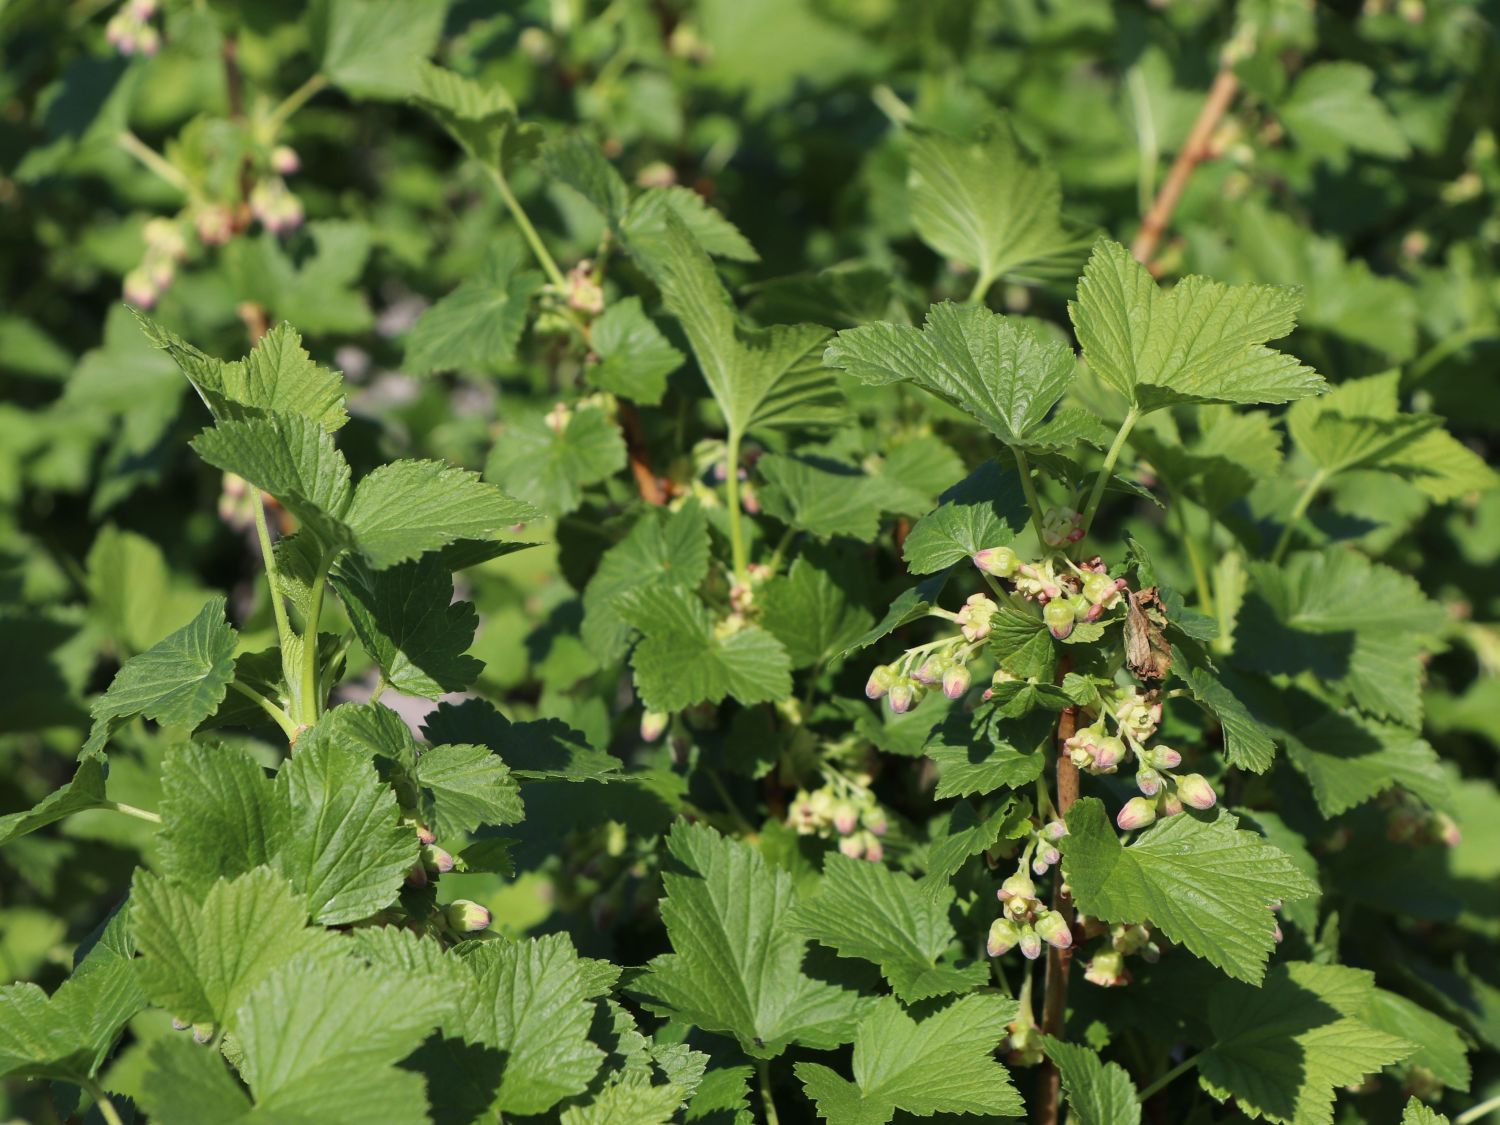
1357 159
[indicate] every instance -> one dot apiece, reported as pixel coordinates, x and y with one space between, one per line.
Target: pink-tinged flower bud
1093 613
467 917
852 846
1100 589
425 835
1166 758
1195 790
1055 829
1148 781
1276 934
1004 934
1052 929
1049 854
284 160
148 41
653 725
1137 813
139 289
1447 830
436 859
1019 886
874 819
1031 944
1058 615
1168 804
1106 969
180 1024
845 818
902 696
417 876
880 682
874 852
999 561
956 681
930 671
1039 865
1109 752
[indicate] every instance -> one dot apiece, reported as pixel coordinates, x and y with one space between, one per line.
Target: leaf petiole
1092 507
131 810
311 706
281 718
533 239
732 502
1299 510
101 1101
1170 1076
273 578
1028 486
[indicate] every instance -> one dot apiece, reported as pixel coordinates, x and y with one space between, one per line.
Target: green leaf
345 849
1197 342
648 223
1441 1049
68 1035
985 509
1360 626
548 460
294 460
406 618
1001 371
85 790
628 1100
481 117
320 290
277 375
825 497
469 787
1282 1050
986 202
809 612
477 326
1331 112
942 1064
683 658
133 593
203 953
984 752
1349 759
220 813
635 358
736 962
527 999
536 750
966 834
575 160
866 910
1418 1114
405 508
1098 1093
372 48
321 1039
669 548
187 1083
1205 883
910 605
1247 743
769 377
178 682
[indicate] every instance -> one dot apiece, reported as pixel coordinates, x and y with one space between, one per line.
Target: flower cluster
1107 967
941 663
129 30
840 808
165 247
1024 921
273 203
1068 592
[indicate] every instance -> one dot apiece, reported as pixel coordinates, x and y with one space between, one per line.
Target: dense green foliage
749 560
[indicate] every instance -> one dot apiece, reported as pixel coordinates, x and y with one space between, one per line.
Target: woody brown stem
1193 152
1059 961
646 480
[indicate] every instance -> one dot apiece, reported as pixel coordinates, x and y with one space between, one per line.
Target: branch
1059 961
646 480
1194 151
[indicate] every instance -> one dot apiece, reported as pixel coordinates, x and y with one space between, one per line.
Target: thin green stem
1447 346
380 685
273 577
293 102
311 705
534 240
737 548
763 1071
281 718
995 588
730 805
131 810
1299 509
1166 1079
1474 1113
1092 507
982 285
1028 486
101 1099
155 161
